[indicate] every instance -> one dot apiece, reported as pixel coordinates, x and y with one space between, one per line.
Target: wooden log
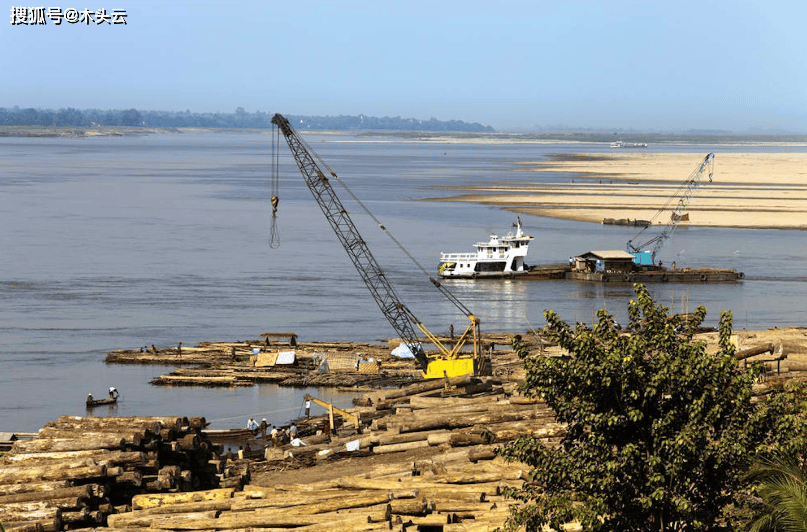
156 500
132 438
133 478
315 504
475 454
48 516
54 466
399 447
434 384
424 401
23 527
102 441
408 507
77 516
243 520
78 492
33 487
102 455
190 507
488 488
753 351
165 421
451 422
173 521
34 474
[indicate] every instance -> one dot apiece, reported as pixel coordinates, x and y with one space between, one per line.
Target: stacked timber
432 450
77 471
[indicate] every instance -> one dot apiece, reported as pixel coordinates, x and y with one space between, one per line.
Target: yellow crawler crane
449 361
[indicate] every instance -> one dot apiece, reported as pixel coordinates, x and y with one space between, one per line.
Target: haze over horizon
513 65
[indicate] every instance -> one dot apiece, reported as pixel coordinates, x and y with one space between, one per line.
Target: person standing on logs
252 424
263 431
274 436
307 409
179 349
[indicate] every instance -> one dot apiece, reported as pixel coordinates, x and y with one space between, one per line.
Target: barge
620 266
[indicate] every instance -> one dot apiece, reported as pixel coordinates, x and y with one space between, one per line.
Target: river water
119 242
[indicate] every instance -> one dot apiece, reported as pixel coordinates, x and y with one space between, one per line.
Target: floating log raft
345 365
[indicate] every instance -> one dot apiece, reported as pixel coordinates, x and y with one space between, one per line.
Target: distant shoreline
439 137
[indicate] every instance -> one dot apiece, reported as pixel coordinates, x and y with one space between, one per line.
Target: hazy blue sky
653 65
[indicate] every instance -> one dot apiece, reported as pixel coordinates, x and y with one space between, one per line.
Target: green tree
659 432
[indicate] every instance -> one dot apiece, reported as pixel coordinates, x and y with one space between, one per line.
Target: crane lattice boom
684 194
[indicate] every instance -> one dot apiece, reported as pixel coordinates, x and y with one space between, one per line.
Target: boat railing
456 257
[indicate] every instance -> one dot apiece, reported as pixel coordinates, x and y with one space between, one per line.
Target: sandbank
748 190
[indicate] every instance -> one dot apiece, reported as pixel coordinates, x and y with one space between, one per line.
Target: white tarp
285 357
403 351
353 445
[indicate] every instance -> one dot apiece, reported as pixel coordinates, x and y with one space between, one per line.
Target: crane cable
274 234
451 297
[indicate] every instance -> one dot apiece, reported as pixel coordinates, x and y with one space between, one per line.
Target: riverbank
749 190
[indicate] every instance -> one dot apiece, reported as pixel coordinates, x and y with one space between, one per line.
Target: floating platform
679 275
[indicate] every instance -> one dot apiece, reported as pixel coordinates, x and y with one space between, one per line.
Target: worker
153 349
179 349
252 424
263 430
307 409
293 431
89 399
451 331
113 392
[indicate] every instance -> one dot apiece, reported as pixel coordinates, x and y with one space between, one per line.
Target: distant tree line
240 119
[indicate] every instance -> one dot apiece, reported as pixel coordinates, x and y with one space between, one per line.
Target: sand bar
748 190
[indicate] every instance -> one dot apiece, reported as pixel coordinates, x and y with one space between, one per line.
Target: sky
515 65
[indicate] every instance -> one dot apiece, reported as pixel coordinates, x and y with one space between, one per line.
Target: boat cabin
608 261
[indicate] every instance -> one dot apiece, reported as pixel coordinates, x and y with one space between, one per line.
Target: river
119 242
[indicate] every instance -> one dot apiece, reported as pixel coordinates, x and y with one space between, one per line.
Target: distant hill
240 119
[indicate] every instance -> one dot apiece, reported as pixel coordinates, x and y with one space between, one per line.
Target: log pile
78 471
438 469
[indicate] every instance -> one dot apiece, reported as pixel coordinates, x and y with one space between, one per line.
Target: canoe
91 403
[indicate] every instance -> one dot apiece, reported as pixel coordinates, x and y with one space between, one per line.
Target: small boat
621 144
91 403
111 400
497 258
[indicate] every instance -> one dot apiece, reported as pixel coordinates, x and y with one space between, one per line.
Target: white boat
620 144
498 257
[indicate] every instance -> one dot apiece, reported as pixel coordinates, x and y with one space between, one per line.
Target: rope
274 179
254 414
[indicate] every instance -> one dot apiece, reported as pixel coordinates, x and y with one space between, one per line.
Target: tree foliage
238 120
659 432
781 485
